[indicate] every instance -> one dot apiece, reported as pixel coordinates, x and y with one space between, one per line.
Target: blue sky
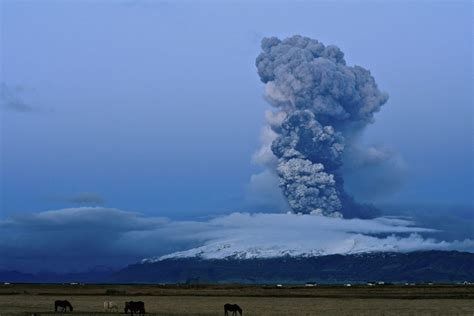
156 107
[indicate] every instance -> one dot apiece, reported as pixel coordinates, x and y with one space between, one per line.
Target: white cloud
268 235
86 218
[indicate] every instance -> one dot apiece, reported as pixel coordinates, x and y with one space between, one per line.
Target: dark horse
63 304
138 307
234 308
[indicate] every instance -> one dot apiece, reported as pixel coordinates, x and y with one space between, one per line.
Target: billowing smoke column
322 104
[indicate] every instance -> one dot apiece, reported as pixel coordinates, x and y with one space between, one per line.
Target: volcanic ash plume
322 104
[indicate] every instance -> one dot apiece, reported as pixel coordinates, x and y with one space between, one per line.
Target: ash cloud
373 172
321 106
263 193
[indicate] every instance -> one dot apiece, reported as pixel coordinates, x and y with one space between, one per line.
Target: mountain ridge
394 267
419 266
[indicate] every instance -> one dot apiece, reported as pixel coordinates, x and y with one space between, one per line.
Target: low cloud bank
78 238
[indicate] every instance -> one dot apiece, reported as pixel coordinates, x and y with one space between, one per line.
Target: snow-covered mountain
305 249
262 236
418 266
226 250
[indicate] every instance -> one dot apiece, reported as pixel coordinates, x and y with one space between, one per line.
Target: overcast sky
156 107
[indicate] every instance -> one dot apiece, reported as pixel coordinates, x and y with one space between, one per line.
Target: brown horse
138 307
63 304
234 308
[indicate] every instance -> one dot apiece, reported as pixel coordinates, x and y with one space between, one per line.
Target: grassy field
255 300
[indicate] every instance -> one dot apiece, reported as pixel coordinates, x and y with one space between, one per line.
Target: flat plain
161 300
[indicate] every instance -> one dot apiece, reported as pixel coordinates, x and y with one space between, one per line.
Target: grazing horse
63 304
234 308
110 306
138 307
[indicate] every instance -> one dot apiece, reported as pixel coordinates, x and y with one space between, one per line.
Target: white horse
110 306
